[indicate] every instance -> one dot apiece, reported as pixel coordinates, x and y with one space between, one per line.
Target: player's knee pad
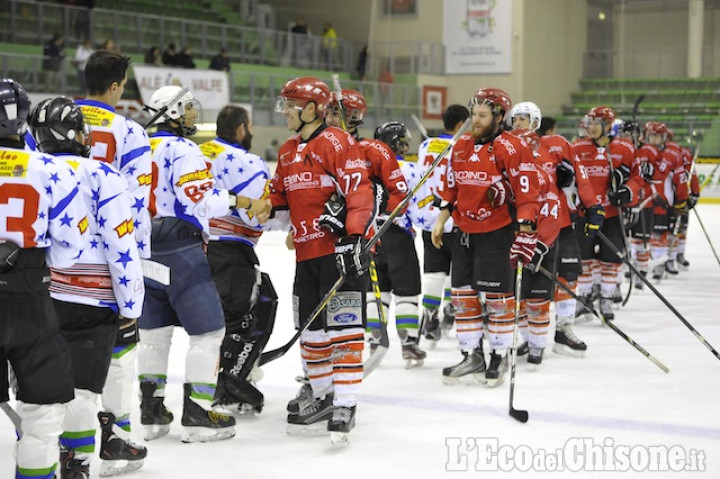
37 447
81 412
202 356
345 310
154 350
432 289
466 303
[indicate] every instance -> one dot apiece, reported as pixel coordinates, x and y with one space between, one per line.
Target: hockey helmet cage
177 110
395 135
498 101
14 108
55 123
530 137
528 108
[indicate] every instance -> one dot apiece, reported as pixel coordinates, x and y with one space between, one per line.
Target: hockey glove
661 202
565 174
381 197
647 170
541 250
594 217
619 176
523 248
621 197
692 200
9 253
333 218
500 193
350 259
630 217
680 208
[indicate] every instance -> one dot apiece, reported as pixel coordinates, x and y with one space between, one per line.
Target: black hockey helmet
395 135
14 108
55 123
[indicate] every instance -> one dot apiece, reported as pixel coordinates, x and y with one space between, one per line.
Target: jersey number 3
22 224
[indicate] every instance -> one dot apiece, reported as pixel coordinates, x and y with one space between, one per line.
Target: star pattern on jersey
124 258
123 281
129 304
95 195
47 160
79 254
139 204
131 170
141 245
41 215
54 177
167 163
66 220
94 243
216 192
101 222
107 169
230 157
48 190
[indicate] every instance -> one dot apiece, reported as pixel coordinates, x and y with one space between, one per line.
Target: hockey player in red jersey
43 223
494 240
608 162
678 252
316 163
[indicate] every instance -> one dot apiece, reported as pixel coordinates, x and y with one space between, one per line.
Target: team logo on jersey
124 228
13 164
145 179
212 149
83 225
96 116
437 146
194 176
154 142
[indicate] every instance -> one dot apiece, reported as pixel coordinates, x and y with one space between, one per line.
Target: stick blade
519 415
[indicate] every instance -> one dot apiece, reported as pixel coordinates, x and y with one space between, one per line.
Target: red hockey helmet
604 113
530 137
303 90
498 101
354 105
656 128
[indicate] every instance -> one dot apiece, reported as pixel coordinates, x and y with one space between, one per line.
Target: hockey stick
610 324
14 417
276 353
517 414
420 126
708 179
636 105
614 186
165 108
707 236
662 298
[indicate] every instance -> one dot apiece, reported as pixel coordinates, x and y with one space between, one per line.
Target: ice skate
303 398
535 357
582 310
448 319
204 425
681 261
617 296
74 465
413 356
658 272
670 267
431 328
312 419
340 425
495 373
472 366
606 309
639 284
567 343
523 349
154 416
118 455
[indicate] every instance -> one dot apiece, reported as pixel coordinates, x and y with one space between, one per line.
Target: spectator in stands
299 40
361 68
168 56
109 45
80 60
221 61
152 57
184 59
329 45
386 79
53 55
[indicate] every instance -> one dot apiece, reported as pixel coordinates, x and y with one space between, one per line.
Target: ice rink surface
614 403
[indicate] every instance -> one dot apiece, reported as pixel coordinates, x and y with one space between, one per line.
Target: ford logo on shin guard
345 318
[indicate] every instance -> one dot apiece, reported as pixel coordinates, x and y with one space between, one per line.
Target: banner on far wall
210 87
478 36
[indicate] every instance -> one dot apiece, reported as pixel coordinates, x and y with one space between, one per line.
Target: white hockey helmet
177 109
529 109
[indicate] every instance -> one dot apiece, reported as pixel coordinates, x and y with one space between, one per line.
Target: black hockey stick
614 186
14 417
610 324
517 414
707 236
662 298
276 353
165 108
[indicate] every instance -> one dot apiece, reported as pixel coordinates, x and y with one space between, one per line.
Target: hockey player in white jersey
124 144
184 198
248 298
104 287
437 261
42 223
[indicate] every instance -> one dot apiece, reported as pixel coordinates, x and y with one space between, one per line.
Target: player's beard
481 133
247 141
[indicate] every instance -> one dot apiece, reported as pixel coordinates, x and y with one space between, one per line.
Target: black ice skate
617 296
658 272
567 343
204 425
73 466
154 416
340 425
448 319
472 366
535 356
582 310
431 327
311 420
495 373
670 267
639 285
303 398
606 309
523 349
682 261
411 352
118 455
